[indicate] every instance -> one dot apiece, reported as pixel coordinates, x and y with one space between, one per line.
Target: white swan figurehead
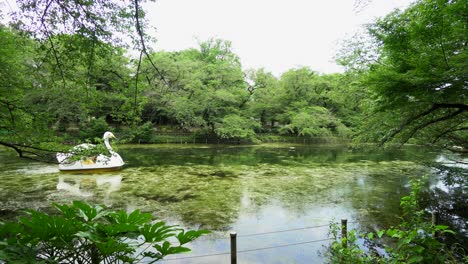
112 161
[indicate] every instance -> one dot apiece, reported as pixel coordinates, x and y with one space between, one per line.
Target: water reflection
452 160
79 185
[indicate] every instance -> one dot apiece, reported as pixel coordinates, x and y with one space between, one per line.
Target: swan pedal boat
91 164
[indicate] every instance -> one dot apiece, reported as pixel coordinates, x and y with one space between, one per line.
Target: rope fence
280 231
234 236
250 250
287 245
198 256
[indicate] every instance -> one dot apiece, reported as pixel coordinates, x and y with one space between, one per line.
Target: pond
253 190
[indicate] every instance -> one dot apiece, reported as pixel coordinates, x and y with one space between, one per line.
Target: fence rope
198 256
249 250
281 231
287 245
265 248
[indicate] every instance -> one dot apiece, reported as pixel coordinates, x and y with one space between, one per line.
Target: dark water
248 189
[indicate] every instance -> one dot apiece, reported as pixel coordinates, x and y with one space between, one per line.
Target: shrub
94 129
236 127
143 133
82 233
351 253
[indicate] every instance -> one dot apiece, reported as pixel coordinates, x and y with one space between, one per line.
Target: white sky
276 35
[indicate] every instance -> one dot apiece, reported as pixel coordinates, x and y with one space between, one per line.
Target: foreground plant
414 240
84 233
351 253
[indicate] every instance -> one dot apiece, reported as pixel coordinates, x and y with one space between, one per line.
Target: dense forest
66 73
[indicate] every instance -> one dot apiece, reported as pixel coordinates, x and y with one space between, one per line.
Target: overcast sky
276 35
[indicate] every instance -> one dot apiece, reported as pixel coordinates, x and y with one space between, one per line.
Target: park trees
417 79
408 76
202 88
66 65
264 91
16 67
309 104
79 90
37 94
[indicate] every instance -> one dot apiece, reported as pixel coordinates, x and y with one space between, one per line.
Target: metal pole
233 248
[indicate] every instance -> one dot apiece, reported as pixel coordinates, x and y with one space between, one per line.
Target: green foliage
88 151
236 127
206 85
94 129
414 240
78 86
417 78
83 233
15 114
313 104
265 94
88 19
313 121
141 134
351 253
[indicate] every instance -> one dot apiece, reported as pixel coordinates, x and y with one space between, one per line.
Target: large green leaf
188 236
157 232
166 249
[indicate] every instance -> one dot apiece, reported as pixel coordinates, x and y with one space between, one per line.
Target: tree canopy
66 74
417 85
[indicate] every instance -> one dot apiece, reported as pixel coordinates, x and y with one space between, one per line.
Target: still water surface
249 189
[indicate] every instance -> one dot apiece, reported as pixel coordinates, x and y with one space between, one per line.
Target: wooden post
233 248
435 221
435 218
344 232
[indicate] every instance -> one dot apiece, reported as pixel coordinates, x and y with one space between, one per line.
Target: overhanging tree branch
452 129
31 152
407 122
461 108
136 83
142 42
57 60
440 119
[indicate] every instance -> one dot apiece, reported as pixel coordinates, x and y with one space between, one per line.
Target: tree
68 81
418 87
13 82
313 121
19 123
205 86
264 92
234 126
310 105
